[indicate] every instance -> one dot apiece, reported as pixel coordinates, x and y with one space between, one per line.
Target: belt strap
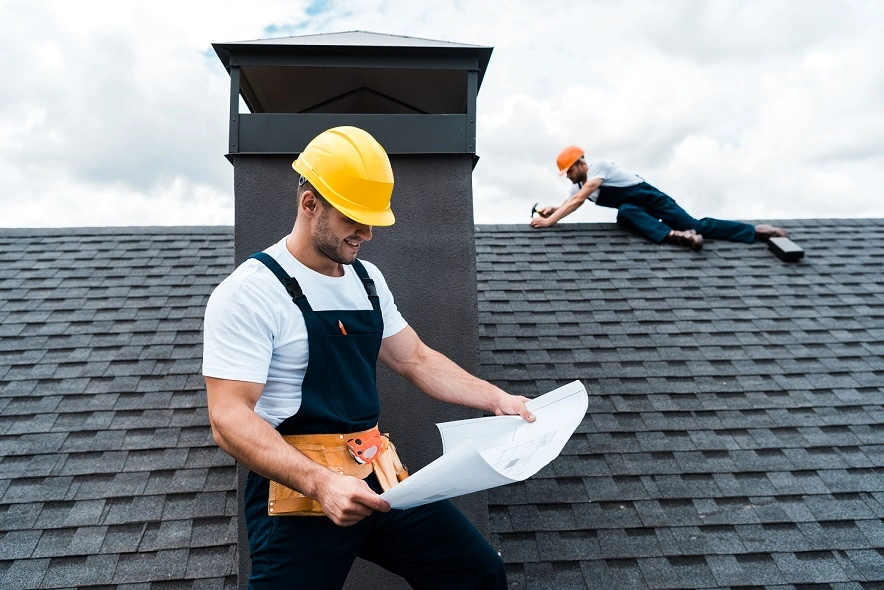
289 505
325 440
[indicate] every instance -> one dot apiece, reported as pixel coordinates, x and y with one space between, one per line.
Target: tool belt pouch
331 450
387 467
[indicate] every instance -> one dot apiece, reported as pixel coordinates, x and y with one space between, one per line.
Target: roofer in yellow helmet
641 208
292 338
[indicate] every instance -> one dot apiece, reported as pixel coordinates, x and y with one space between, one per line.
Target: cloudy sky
115 112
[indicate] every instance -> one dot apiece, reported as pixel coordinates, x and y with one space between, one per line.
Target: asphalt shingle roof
109 476
734 436
735 431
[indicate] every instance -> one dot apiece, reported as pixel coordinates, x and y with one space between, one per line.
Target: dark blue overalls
432 546
651 213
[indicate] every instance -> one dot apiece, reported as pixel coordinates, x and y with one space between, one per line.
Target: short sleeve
598 169
239 332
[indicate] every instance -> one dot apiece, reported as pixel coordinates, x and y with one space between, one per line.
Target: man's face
577 172
337 236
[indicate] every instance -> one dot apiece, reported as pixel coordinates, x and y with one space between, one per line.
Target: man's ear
308 202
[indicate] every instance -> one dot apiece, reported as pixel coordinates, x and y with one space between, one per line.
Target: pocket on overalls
352 393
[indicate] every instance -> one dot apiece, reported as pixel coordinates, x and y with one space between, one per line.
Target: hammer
535 210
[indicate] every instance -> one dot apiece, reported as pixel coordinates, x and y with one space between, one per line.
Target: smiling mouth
352 243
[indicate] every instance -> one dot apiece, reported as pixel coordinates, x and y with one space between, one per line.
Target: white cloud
737 108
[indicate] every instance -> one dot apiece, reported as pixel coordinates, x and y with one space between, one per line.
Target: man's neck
303 251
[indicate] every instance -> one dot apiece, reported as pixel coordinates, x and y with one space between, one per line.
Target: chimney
417 97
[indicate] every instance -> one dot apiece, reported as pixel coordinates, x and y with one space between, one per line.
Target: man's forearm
249 439
569 206
441 378
573 202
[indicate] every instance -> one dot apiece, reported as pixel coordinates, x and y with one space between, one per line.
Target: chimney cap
370 44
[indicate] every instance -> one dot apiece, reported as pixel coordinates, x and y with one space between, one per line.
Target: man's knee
708 226
626 212
487 564
476 564
485 570
496 573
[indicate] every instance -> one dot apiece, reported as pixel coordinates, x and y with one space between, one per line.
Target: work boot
765 232
688 238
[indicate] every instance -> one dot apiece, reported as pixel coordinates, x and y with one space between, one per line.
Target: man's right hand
543 220
347 500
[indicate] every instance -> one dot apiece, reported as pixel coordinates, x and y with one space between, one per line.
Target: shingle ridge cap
558 227
796 222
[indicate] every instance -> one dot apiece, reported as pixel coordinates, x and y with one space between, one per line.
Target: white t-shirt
610 174
254 331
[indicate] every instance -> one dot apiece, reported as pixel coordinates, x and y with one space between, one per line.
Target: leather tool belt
332 450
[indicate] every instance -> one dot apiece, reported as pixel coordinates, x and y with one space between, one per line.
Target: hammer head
534 209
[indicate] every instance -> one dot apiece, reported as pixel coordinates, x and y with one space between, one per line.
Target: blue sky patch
317 7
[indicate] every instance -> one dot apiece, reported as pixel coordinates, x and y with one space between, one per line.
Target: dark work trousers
432 547
653 214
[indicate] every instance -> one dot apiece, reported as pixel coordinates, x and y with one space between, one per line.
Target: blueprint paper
483 453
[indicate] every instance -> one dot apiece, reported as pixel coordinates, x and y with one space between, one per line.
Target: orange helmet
567 157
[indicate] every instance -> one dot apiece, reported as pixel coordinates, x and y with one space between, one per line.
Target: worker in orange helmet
641 208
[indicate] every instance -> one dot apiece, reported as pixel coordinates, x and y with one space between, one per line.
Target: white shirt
254 331
610 174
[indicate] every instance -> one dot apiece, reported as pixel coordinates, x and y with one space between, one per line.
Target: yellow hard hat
567 157
351 171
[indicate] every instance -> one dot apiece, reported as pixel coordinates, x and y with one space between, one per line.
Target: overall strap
294 289
290 283
367 281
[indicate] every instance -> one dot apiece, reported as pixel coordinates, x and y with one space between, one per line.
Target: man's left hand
514 405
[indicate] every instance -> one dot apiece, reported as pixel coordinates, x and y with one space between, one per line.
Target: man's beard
327 243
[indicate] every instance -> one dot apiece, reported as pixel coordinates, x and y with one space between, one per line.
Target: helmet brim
373 218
